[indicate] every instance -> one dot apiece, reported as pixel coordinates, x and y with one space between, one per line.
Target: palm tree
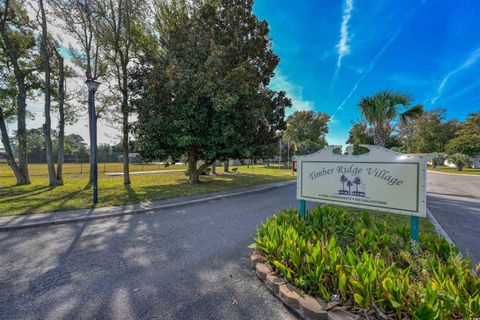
382 108
349 185
357 181
343 179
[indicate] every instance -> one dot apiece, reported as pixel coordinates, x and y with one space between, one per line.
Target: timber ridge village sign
381 179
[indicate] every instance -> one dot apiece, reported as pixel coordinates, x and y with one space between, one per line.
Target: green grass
80 168
76 194
445 169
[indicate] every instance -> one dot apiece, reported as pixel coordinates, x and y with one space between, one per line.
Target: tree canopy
206 96
307 131
384 107
428 133
467 138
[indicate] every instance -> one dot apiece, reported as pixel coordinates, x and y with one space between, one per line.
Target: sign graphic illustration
357 181
380 180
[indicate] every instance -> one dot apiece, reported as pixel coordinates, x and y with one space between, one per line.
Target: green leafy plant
370 264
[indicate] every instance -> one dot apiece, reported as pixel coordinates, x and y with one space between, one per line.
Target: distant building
3 154
474 165
476 161
134 157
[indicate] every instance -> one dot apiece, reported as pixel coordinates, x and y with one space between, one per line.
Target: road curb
455 174
92 216
438 227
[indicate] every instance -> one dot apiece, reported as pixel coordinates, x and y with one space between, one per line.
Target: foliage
438 160
206 96
361 133
307 131
370 264
467 139
460 160
381 109
428 133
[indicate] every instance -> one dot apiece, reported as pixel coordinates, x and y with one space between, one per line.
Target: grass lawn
445 169
76 194
81 168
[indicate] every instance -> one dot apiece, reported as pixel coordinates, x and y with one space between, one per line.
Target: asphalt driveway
454 200
184 263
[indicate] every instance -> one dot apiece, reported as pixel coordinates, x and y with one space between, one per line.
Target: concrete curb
455 174
304 305
438 227
122 212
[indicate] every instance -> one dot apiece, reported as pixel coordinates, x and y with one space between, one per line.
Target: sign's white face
394 184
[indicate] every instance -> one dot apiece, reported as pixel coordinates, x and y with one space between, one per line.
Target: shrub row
370 266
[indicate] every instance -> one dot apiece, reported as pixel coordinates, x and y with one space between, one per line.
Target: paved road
455 202
184 263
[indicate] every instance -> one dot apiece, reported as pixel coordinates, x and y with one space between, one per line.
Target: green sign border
356 203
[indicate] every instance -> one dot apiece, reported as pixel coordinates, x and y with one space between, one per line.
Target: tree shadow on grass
36 191
62 200
132 196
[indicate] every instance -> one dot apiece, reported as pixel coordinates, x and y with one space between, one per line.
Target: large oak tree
205 97
307 131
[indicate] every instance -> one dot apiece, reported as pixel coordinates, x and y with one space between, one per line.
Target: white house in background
475 162
3 154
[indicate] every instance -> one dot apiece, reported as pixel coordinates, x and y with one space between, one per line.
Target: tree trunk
125 129
226 166
214 169
193 172
8 149
21 106
379 136
22 134
52 177
61 121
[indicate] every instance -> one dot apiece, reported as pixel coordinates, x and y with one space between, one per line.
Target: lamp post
92 86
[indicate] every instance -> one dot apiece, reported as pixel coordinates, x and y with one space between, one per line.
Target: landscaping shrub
460 160
370 266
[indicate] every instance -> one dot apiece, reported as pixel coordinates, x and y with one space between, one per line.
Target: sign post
380 179
414 228
303 209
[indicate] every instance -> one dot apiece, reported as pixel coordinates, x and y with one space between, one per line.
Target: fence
78 163
110 157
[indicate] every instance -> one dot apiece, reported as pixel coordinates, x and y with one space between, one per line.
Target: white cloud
342 47
369 69
295 92
471 60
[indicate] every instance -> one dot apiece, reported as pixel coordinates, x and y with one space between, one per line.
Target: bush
438 160
371 266
460 160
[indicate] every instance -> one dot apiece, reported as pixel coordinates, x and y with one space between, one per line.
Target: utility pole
92 86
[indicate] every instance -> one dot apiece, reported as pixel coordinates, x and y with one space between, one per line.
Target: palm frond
411 114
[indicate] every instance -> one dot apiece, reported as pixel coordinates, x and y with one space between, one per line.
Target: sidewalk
61 217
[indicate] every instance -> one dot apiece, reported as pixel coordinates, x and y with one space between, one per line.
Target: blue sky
334 52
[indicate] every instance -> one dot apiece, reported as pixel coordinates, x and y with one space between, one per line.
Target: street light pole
92 86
